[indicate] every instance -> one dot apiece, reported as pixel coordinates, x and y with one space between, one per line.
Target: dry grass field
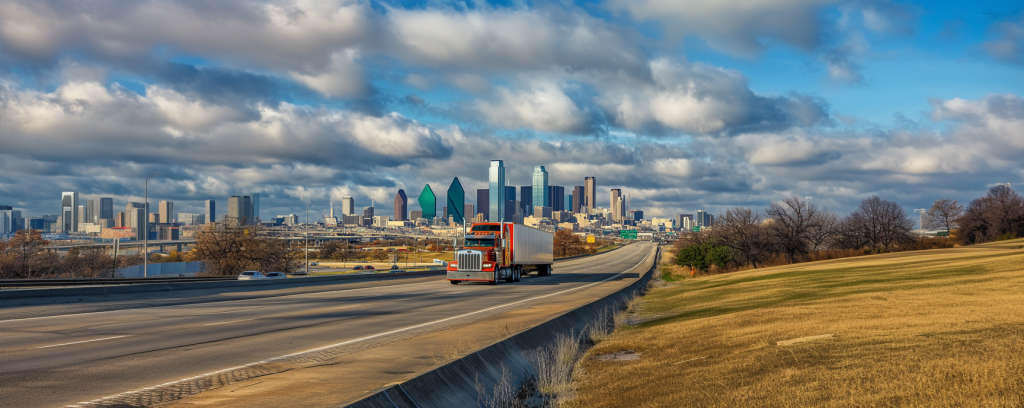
937 328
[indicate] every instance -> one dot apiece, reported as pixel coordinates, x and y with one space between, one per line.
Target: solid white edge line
79 342
269 360
233 321
225 301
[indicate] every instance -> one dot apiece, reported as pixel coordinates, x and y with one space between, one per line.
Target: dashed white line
233 321
80 342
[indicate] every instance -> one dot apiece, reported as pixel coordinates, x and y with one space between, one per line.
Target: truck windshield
486 228
480 242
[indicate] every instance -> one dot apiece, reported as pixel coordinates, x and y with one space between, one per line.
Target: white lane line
404 329
80 342
242 300
233 321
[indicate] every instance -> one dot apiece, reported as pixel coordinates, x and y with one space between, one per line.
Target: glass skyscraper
541 194
496 183
456 201
428 203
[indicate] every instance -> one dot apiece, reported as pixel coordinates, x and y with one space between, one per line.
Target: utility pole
145 231
307 239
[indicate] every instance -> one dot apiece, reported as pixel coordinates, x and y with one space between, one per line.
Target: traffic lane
191 322
106 375
125 334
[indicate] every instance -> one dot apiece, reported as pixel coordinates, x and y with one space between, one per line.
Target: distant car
395 271
250 275
276 275
369 267
357 268
314 263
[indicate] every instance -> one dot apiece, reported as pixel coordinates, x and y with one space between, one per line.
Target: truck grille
470 261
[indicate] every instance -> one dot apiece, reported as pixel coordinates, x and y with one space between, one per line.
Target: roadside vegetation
916 328
25 257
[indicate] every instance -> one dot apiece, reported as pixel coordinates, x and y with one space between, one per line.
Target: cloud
734 27
1008 44
542 106
840 67
344 78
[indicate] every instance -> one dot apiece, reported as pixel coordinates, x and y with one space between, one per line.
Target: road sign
627 234
696 229
590 239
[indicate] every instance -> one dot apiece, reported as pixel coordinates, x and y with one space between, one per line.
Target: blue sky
686 105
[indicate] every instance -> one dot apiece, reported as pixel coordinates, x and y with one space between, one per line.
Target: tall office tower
557 198
166 209
482 203
700 218
81 216
247 210
577 199
526 200
468 212
456 201
590 193
6 219
511 204
135 218
211 211
496 187
428 203
367 215
91 211
17 222
401 206
620 208
541 193
106 208
683 220
348 206
254 215
236 210
614 205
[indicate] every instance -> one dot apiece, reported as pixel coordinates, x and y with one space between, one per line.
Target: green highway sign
696 229
627 234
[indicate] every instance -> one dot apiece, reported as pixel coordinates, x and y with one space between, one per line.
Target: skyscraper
6 219
456 201
247 210
348 205
496 185
428 202
166 209
401 206
254 216
469 213
69 211
617 212
577 199
590 193
106 208
236 210
526 200
511 204
135 214
541 193
482 203
557 198
211 211
92 208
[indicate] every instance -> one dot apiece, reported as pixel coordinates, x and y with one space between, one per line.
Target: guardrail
28 283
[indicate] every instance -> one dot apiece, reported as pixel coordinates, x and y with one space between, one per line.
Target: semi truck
506 251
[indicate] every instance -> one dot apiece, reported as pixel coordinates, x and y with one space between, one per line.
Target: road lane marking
404 329
80 342
233 321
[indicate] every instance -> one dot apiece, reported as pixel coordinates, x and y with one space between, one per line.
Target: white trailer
502 251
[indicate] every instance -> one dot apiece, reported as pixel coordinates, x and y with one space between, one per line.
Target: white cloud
344 77
542 106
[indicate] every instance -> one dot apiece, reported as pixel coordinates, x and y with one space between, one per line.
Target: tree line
25 257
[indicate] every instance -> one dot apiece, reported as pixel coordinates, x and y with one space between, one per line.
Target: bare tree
943 215
791 226
881 223
567 244
229 249
823 229
999 214
744 232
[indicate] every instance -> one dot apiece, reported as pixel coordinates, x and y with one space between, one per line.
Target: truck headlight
488 265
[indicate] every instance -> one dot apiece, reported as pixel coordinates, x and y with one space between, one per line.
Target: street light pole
307 239
922 212
145 231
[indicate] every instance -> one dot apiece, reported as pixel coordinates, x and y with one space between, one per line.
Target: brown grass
937 328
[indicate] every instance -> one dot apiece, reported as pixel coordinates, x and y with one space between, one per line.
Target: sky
686 105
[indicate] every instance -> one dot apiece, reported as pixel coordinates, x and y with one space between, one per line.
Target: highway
68 359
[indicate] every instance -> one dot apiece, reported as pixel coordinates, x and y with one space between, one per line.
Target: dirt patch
626 355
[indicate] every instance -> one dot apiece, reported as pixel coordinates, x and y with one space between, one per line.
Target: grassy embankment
925 328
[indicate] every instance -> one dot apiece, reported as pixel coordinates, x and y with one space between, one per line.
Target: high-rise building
211 211
617 210
511 204
135 218
254 215
191 219
541 193
92 208
106 208
166 209
496 187
6 219
577 199
557 198
468 212
482 203
456 201
236 210
415 215
367 216
428 202
81 217
401 206
526 200
69 211
590 193
247 210
348 205
704 219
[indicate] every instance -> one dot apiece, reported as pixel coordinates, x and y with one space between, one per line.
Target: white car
276 275
249 275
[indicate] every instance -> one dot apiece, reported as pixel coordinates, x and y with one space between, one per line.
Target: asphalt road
67 359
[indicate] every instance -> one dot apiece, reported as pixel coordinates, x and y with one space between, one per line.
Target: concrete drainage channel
458 383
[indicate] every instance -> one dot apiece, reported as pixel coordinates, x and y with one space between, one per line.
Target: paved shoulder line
193 385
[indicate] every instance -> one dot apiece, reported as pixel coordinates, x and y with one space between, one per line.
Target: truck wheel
511 276
454 282
494 280
519 275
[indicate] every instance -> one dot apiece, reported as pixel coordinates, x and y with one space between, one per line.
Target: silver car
276 275
250 275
